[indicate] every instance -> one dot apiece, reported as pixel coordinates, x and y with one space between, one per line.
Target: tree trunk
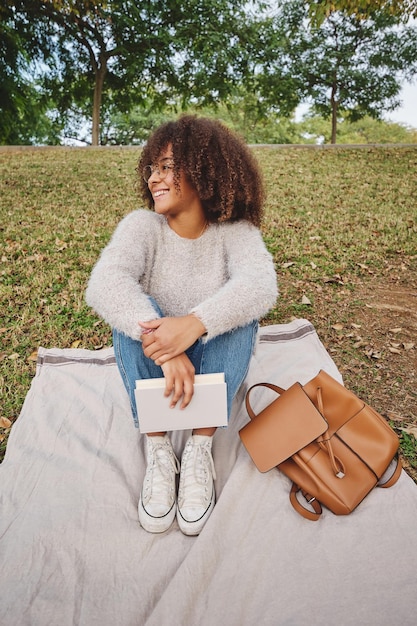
335 106
98 93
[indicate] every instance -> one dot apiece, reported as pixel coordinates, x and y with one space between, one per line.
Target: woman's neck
188 228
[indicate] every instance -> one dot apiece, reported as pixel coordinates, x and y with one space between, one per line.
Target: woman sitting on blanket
183 287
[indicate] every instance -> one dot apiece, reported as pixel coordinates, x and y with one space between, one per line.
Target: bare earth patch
375 347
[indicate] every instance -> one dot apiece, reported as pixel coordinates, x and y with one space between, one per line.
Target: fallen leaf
337 326
76 343
395 330
359 343
373 354
33 356
313 265
305 300
336 278
4 422
411 430
394 350
60 245
408 346
14 356
289 264
395 417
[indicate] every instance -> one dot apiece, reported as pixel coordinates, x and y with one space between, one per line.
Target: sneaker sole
155 524
194 528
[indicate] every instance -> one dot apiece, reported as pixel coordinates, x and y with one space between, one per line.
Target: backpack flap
280 430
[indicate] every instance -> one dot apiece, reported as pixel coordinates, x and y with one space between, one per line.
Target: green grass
409 449
335 219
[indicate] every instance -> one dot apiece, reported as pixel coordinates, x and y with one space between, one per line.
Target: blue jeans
229 353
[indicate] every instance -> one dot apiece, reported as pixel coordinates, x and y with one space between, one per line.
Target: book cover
208 406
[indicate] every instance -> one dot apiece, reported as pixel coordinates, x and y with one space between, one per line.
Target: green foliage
24 115
242 115
115 69
134 127
239 113
320 9
316 129
350 66
114 55
248 116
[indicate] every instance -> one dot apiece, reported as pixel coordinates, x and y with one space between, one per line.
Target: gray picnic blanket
72 551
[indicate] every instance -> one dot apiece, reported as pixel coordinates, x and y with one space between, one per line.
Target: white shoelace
159 483
197 475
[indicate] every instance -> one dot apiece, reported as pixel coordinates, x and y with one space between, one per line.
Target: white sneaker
196 495
157 500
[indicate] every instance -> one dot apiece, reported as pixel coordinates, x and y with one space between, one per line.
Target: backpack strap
275 388
315 504
394 477
303 511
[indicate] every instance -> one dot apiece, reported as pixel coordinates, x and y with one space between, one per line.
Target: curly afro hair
217 163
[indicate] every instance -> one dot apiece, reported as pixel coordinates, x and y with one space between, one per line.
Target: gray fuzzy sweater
226 277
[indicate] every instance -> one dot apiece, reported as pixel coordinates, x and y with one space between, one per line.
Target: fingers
180 389
167 337
147 340
179 381
157 356
151 325
188 393
154 349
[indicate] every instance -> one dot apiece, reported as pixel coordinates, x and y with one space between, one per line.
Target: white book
208 406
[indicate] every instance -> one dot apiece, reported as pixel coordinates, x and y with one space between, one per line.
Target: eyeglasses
161 170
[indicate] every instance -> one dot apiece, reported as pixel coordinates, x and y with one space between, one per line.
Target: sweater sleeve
251 288
114 290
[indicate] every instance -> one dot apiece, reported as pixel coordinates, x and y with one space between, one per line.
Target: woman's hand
179 380
168 337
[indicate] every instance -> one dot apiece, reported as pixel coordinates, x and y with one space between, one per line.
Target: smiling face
169 199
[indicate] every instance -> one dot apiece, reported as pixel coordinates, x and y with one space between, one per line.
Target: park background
106 73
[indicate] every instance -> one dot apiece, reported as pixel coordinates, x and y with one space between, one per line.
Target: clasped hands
165 340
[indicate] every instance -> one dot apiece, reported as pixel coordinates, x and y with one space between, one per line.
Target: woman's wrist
198 325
